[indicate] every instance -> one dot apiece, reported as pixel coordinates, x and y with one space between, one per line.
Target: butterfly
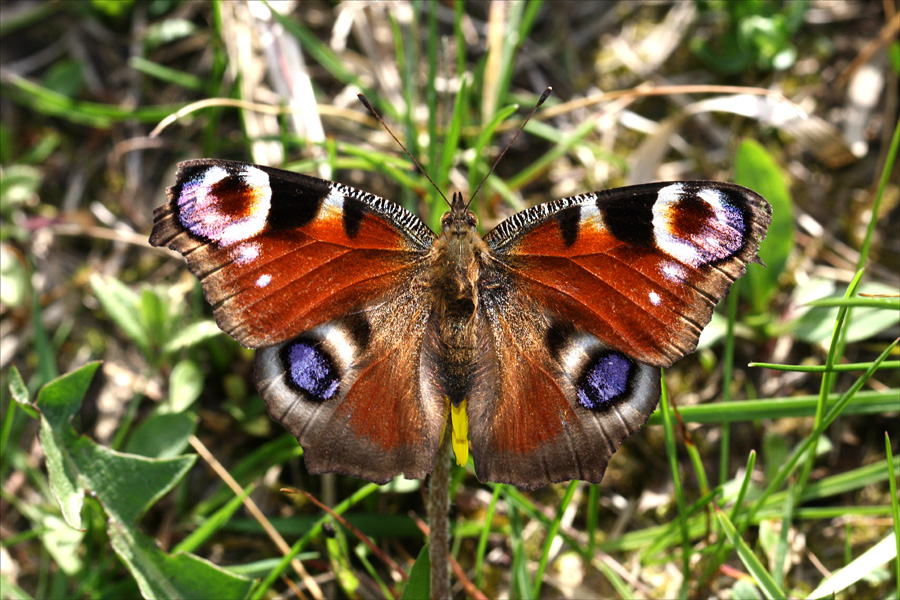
536 347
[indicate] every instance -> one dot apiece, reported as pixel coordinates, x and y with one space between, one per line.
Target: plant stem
439 521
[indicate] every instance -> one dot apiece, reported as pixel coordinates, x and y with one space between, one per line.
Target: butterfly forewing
278 252
640 267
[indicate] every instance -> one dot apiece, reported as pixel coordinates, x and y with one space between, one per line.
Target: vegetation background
765 483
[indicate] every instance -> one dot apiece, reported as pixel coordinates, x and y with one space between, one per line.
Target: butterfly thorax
457 256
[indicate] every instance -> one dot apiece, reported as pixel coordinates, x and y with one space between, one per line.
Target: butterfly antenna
540 101
372 110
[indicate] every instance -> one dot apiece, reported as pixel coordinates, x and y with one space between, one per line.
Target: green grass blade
762 577
483 536
889 165
551 535
895 504
868 561
672 454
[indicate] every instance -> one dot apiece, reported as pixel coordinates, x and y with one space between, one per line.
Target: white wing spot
655 299
263 280
246 253
674 272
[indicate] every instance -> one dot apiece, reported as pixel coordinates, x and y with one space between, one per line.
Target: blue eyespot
604 380
311 370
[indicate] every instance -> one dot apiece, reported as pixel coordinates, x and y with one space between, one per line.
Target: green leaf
18 184
816 325
162 435
125 485
185 386
112 8
153 316
894 56
169 30
191 335
744 590
161 575
419 583
58 401
65 77
17 387
13 278
756 169
123 307
59 539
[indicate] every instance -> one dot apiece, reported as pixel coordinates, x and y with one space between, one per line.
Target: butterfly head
460 219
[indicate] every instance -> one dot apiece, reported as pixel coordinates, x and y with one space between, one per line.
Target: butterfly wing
278 253
329 282
640 267
582 299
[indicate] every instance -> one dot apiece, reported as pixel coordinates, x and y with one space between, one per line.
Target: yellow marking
460 425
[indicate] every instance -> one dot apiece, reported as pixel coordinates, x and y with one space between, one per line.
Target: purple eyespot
311 370
605 380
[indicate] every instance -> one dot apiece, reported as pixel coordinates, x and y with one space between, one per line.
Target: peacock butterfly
540 343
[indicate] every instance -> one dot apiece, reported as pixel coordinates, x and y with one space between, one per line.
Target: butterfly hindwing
279 252
351 392
549 403
640 267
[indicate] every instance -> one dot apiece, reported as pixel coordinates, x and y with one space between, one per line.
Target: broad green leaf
58 401
18 183
126 485
191 335
744 590
419 583
153 316
17 387
58 537
13 278
756 169
62 542
169 30
816 325
123 307
65 77
185 386
162 575
162 435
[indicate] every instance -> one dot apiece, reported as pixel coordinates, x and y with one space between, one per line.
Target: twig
251 507
359 534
